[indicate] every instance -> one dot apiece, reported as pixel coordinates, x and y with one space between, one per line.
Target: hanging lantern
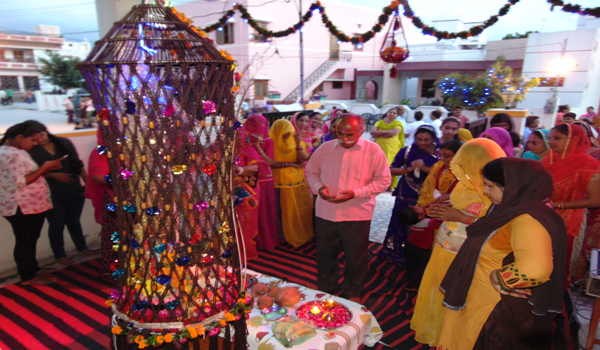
394 53
161 113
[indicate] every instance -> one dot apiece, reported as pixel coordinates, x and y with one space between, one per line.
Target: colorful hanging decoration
125 174
201 206
388 11
209 169
394 53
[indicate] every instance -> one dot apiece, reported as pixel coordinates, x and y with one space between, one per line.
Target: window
257 38
25 56
551 82
31 83
225 36
9 83
338 85
18 55
428 88
261 89
318 88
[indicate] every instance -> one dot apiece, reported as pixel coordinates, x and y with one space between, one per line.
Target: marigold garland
570 8
243 304
388 11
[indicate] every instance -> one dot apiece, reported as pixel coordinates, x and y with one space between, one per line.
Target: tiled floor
381 217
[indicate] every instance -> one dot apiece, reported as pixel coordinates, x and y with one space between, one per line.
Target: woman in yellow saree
389 135
468 204
290 183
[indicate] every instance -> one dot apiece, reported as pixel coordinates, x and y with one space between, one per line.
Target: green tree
62 71
483 91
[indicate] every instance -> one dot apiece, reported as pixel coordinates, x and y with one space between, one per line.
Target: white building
20 56
538 56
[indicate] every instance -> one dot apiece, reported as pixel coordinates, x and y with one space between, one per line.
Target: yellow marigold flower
139 339
202 34
200 329
116 330
160 339
229 317
223 323
192 331
242 300
235 89
168 337
142 345
108 302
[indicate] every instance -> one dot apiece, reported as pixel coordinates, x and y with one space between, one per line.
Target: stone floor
56 122
381 216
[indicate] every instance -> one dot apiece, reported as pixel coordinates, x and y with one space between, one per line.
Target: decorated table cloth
362 328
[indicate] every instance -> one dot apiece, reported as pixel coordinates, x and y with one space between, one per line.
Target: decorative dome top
154 34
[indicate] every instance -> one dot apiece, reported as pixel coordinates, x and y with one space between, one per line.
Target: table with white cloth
362 328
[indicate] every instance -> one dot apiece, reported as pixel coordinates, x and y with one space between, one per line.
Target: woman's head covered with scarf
527 187
502 138
466 166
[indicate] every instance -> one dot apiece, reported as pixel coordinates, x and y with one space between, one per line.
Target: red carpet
68 314
71 314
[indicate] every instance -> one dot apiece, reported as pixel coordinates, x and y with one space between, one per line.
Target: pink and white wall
279 60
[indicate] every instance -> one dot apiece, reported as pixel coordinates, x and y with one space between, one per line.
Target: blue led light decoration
167 90
483 91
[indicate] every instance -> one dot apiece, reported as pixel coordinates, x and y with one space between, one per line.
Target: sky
77 18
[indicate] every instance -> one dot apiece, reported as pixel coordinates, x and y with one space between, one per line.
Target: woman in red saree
257 128
247 195
576 178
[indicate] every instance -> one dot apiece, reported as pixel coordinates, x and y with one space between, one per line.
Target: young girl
24 196
66 192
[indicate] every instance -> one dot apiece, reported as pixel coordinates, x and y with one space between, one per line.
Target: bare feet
91 253
356 300
46 270
41 279
64 261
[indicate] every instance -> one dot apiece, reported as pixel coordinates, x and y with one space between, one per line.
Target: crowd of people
491 230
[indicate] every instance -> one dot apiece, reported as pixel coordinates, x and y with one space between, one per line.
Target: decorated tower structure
163 92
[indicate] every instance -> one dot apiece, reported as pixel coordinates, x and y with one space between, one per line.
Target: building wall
279 60
39 45
542 59
513 49
337 94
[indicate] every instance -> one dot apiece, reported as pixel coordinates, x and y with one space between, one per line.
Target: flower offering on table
360 327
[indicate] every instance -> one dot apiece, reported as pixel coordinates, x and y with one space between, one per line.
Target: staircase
320 74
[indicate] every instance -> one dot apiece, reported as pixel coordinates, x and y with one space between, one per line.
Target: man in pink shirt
457 113
347 173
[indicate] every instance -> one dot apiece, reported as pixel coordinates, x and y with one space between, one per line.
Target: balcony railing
19 60
447 47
